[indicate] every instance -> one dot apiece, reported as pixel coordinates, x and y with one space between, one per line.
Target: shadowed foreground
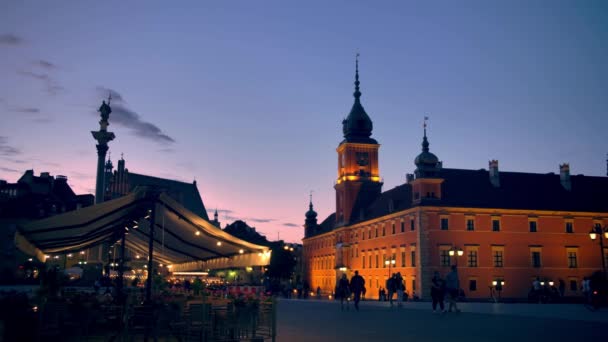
323 321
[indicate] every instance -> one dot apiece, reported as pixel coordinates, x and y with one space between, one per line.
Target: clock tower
359 181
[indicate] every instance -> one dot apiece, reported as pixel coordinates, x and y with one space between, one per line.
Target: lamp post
498 284
390 263
596 231
455 251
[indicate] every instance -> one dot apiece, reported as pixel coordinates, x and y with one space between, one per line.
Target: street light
602 233
455 251
390 263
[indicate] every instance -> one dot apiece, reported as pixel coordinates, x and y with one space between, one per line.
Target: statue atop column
103 137
105 111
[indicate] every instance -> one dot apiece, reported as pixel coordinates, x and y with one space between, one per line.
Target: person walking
357 287
400 289
343 291
437 292
452 285
391 288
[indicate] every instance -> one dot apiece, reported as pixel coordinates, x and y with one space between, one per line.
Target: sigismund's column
103 137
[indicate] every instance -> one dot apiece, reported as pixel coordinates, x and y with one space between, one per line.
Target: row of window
532 225
377 231
373 261
472 260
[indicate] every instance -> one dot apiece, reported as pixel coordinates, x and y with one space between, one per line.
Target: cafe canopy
146 220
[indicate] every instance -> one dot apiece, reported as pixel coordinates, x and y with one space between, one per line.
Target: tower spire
310 204
425 141
357 93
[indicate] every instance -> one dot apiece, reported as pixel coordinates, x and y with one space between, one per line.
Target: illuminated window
383 260
572 257
444 223
569 228
472 258
444 257
497 256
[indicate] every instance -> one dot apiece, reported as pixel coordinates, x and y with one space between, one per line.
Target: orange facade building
510 227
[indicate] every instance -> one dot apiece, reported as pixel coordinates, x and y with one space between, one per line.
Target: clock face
362 158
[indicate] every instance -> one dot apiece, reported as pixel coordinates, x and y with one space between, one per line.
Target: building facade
509 227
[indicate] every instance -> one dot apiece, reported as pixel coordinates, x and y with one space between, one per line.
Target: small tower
311 220
103 137
107 180
427 164
427 184
358 182
216 221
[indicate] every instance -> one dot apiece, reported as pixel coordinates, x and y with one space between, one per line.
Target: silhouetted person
391 287
318 291
343 291
400 288
437 291
452 285
357 286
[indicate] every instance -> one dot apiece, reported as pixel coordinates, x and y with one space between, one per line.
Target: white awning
180 236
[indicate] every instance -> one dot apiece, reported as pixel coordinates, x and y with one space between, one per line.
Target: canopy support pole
150 253
121 269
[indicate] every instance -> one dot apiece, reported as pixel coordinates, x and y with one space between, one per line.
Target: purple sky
248 97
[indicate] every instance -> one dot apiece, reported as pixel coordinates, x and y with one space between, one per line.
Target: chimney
564 176
494 177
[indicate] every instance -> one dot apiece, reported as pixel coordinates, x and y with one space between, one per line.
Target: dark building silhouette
121 182
31 198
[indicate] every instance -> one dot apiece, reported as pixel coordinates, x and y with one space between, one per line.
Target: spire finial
425 142
109 97
357 93
310 197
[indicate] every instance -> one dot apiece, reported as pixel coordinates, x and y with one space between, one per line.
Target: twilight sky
247 97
